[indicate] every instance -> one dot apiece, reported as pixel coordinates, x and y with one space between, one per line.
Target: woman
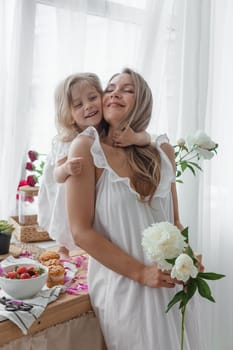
119 193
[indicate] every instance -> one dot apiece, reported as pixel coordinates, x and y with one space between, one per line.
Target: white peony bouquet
165 245
189 152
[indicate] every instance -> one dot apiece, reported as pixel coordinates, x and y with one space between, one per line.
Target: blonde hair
66 127
144 162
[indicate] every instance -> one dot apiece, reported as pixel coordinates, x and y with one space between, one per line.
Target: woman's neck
109 137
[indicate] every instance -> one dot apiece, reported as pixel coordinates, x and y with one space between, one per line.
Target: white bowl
23 288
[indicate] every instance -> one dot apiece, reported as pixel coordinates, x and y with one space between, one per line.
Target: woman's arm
169 150
80 202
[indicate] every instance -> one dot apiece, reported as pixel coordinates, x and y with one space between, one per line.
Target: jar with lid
28 205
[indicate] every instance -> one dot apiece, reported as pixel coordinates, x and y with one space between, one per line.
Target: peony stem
182 328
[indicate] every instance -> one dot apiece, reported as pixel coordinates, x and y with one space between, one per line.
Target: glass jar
28 205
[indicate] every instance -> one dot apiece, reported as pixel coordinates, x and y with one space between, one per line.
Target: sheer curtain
215 209
16 73
184 50
42 41
191 74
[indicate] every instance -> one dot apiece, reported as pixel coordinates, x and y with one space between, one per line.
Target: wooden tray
28 233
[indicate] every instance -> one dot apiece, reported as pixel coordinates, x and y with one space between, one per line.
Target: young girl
78 104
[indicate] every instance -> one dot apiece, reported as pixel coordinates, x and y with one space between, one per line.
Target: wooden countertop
65 308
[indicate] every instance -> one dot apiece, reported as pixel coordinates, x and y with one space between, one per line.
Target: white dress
132 316
51 199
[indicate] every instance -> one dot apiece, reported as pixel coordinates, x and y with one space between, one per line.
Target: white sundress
51 200
132 316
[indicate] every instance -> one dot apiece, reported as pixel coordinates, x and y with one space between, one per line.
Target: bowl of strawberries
23 281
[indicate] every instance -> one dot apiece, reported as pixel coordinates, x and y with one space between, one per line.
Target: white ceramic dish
23 288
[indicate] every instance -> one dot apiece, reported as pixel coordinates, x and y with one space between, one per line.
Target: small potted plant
6 230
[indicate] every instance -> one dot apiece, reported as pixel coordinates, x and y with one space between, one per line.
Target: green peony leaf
171 261
184 165
191 288
204 289
185 233
180 296
196 165
191 168
210 275
180 181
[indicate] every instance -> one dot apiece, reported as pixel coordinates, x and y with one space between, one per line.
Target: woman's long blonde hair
66 127
144 162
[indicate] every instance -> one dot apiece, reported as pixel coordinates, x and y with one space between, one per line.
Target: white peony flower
204 153
202 140
184 268
181 142
162 241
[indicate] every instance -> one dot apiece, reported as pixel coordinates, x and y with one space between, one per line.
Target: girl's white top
132 316
51 199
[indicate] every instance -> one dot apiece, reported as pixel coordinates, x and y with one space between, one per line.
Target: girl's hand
124 138
73 166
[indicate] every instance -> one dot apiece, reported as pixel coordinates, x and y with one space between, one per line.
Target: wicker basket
28 233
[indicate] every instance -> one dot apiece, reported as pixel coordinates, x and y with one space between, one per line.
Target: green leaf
185 233
177 297
189 252
204 289
191 168
191 288
196 165
210 275
171 261
180 181
183 165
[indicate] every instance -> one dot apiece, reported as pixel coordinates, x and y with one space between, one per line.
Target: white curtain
215 201
16 73
183 48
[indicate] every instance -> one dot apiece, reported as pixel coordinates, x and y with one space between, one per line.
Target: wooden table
58 313
65 308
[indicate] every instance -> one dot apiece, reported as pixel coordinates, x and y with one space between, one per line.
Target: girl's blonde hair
66 127
144 162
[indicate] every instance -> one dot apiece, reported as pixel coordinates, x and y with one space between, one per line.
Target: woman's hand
155 278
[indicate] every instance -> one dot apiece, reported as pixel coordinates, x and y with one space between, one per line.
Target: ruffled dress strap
97 152
100 159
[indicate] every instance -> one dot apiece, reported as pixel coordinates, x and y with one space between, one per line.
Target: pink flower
31 180
33 155
22 182
30 166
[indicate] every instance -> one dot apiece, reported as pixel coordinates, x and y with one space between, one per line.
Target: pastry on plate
52 262
48 255
56 275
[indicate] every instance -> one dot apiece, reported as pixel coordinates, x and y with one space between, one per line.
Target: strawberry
24 276
21 269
